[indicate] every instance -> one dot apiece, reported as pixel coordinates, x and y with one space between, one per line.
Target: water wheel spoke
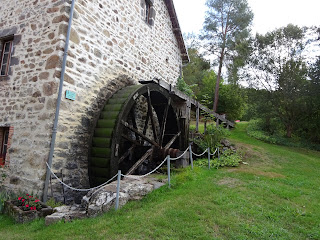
140 161
151 116
172 140
164 122
127 153
146 122
135 142
130 127
134 123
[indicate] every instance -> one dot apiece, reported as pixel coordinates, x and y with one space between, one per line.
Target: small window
147 13
4 136
5 57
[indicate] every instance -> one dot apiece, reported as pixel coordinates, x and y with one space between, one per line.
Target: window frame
8 53
4 144
147 11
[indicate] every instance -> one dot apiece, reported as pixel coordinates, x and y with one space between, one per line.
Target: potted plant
26 208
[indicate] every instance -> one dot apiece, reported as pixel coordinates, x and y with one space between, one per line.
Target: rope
137 177
199 155
173 159
214 152
77 189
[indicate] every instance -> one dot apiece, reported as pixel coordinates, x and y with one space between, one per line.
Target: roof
177 31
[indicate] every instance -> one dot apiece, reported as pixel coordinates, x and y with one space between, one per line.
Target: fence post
209 157
168 167
190 155
118 189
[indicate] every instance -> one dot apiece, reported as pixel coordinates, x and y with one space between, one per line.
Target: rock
225 143
66 213
104 199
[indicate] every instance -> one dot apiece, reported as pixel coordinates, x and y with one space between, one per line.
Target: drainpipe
55 124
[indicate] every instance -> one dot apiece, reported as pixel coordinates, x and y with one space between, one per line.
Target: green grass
275 196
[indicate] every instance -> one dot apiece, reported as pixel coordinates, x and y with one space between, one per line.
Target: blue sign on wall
70 95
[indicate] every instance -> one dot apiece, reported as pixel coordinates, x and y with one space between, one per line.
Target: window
5 57
147 13
4 136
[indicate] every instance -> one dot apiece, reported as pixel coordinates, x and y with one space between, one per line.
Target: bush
5 196
255 130
228 158
212 138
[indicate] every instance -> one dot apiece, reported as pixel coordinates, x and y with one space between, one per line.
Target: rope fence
168 159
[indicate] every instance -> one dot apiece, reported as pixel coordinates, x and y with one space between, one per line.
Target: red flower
27 194
37 200
27 205
23 200
30 196
19 198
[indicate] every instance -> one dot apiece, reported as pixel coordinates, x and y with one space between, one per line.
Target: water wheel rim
127 105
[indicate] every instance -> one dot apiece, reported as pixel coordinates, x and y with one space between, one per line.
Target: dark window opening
5 57
4 136
148 8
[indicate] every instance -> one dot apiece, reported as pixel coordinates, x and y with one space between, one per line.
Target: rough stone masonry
111 46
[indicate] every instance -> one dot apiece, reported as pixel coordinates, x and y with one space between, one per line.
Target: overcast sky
268 14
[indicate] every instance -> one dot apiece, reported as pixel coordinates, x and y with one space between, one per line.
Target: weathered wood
137 143
126 154
127 125
172 140
164 122
140 161
151 116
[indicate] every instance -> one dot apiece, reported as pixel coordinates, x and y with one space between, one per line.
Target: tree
232 101
194 72
226 27
278 65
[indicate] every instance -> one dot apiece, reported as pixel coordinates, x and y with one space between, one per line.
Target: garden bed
21 216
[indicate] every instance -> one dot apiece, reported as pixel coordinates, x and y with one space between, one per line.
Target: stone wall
28 94
111 46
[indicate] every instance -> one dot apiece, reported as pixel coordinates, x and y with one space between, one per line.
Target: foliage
5 196
256 130
278 65
53 203
228 158
28 202
231 101
194 72
225 28
211 139
185 88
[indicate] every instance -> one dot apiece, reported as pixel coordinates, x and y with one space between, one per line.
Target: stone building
112 44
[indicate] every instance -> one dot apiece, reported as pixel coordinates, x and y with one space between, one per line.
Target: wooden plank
126 154
127 125
172 140
164 122
140 161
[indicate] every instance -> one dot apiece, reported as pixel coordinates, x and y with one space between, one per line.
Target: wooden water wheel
137 128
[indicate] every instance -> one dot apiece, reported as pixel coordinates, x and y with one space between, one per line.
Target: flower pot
21 216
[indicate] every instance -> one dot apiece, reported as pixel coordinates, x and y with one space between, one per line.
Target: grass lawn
275 196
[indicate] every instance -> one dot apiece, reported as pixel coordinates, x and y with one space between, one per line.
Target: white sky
268 14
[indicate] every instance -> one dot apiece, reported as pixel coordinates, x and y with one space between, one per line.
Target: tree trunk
289 130
216 92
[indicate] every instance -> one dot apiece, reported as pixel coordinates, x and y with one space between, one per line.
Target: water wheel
137 128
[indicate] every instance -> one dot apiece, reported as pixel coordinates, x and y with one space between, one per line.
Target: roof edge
177 31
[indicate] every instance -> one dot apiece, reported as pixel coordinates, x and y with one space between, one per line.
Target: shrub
255 130
228 158
211 139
